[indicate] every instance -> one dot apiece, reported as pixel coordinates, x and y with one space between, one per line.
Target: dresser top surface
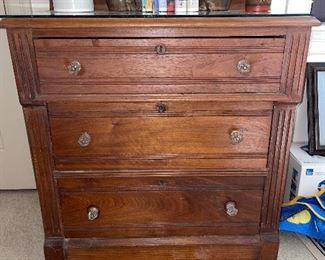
29 13
152 21
278 8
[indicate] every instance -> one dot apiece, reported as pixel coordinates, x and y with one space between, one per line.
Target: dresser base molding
54 248
263 247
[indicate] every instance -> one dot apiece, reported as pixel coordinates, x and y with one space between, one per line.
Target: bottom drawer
175 206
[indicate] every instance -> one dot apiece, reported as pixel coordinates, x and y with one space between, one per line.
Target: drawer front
160 136
162 206
123 141
129 66
163 135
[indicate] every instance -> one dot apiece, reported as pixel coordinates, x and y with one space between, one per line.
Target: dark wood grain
219 97
159 210
139 31
251 85
47 47
159 181
211 89
38 133
125 142
135 137
270 245
177 22
24 64
254 163
186 61
160 231
53 248
293 76
179 248
163 185
77 109
280 142
167 253
160 178
107 64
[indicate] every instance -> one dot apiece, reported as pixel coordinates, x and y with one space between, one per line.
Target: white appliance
306 173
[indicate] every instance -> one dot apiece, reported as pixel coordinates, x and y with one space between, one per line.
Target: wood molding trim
24 63
270 246
54 248
39 138
281 138
296 50
221 22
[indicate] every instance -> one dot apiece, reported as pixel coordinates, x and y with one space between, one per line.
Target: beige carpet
21 235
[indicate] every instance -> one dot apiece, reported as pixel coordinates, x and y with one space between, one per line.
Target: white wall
24 6
2 8
16 170
316 54
293 6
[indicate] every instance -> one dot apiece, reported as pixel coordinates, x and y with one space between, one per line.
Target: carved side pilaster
24 63
39 139
294 66
282 128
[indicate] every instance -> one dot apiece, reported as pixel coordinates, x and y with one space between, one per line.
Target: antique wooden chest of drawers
160 138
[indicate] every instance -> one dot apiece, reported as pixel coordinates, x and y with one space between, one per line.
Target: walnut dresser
160 138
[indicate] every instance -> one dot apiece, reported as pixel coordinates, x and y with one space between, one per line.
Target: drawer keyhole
163 183
161 107
161 49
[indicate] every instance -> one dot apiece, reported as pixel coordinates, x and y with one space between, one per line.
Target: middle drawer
169 135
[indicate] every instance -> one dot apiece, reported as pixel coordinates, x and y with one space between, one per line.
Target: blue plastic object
305 215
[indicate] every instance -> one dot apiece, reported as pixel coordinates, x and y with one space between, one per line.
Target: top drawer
149 66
